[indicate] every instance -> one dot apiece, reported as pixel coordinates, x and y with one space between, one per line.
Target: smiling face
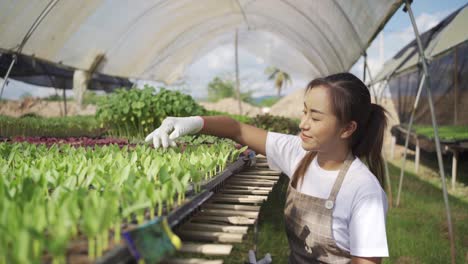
320 129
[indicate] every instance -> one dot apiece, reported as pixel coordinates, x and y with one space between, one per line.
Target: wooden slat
262 197
215 228
252 179
207 249
260 167
192 261
257 172
232 207
250 183
221 212
234 191
263 177
243 187
235 220
209 236
237 200
264 166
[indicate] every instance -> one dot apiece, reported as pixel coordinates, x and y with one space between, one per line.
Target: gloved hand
179 126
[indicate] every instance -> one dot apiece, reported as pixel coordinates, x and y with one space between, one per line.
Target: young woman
335 206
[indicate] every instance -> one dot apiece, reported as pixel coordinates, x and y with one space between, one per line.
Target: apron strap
340 178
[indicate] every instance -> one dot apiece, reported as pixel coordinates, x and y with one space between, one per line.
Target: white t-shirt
361 204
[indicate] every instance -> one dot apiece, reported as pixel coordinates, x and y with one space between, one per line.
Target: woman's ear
348 130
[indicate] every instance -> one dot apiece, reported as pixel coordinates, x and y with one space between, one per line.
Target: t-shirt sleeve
283 152
368 237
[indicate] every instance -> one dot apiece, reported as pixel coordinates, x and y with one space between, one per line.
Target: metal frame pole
367 70
5 79
436 130
365 66
387 173
31 30
410 125
387 81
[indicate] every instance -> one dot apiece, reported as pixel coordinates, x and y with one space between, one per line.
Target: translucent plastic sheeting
449 33
159 39
449 88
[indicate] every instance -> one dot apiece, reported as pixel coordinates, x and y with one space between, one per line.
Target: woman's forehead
318 98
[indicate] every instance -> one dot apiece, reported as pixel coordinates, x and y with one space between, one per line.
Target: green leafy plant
276 123
50 196
138 111
75 126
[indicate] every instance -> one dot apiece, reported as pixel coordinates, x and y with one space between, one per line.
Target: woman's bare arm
227 127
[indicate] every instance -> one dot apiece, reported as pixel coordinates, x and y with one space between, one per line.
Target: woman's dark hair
351 101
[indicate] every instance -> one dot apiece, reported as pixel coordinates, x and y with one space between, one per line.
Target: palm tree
280 77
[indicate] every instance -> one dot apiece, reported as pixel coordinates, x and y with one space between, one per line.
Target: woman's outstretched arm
227 127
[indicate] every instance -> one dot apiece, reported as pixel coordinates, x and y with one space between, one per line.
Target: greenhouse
109 155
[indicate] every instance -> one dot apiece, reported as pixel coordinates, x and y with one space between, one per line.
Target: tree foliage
224 88
281 78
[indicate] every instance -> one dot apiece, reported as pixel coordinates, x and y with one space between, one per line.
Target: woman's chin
308 147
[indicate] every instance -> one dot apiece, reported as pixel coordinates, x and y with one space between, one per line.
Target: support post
81 78
417 156
392 148
455 87
454 167
387 181
237 73
80 85
436 130
64 101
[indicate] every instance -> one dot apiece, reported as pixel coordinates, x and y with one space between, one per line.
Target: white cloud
221 58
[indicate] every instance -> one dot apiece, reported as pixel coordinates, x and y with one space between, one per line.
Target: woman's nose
303 124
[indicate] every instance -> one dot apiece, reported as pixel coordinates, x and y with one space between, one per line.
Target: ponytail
369 142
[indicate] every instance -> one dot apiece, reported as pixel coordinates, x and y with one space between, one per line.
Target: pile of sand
231 106
289 106
43 108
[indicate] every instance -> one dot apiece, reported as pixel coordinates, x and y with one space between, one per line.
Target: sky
220 61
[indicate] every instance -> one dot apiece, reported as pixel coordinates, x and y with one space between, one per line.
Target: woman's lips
304 136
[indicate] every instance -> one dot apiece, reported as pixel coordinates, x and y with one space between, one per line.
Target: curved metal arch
159 4
134 22
286 2
243 14
166 47
235 13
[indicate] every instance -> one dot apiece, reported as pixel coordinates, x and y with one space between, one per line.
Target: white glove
181 126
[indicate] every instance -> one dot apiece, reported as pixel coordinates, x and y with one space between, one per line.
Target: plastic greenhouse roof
157 40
